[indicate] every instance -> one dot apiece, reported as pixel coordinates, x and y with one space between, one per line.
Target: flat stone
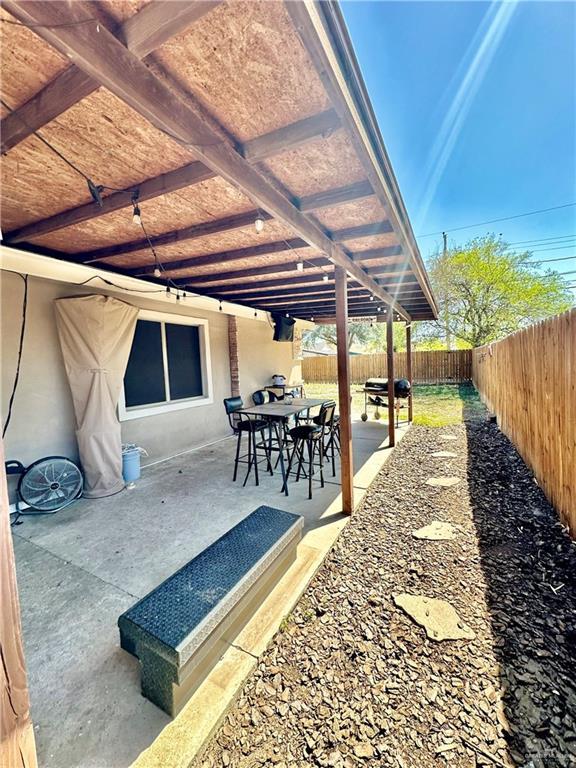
443 482
438 530
444 455
438 617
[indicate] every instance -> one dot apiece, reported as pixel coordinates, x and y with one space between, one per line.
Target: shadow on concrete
529 564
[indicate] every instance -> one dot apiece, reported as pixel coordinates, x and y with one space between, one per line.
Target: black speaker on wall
283 327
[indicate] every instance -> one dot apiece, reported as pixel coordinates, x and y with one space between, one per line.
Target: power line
503 218
535 241
544 261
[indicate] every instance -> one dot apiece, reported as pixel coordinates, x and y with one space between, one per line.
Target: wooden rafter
142 33
303 291
291 136
105 59
214 226
172 181
251 251
362 230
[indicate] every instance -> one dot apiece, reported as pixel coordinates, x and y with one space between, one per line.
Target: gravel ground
351 680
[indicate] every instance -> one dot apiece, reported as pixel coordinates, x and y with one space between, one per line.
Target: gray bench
181 628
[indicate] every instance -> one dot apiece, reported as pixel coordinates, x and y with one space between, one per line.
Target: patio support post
17 746
346 468
409 366
390 360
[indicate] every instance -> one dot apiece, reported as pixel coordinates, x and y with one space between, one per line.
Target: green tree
370 337
485 291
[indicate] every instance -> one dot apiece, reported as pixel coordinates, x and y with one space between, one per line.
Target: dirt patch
351 680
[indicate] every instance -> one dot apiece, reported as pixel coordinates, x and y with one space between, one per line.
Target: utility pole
445 308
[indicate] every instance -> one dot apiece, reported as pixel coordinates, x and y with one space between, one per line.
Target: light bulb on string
157 272
258 224
177 296
371 298
220 306
168 289
325 277
136 216
300 266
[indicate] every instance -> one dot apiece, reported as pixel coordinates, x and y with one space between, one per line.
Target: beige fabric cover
96 334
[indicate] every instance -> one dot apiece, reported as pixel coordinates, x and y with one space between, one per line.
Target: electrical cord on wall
20 348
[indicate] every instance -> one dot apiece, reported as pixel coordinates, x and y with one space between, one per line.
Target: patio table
281 411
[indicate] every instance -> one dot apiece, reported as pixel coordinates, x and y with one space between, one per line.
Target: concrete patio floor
80 569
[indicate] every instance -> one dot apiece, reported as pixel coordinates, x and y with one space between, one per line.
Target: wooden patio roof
207 115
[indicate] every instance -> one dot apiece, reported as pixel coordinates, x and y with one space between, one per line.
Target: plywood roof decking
246 65
188 206
232 59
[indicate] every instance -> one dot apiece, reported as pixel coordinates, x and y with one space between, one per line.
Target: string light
300 266
136 218
168 289
220 306
255 313
325 277
258 224
177 296
371 298
157 272
311 318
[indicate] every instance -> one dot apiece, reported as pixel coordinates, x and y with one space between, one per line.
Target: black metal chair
242 424
312 437
262 396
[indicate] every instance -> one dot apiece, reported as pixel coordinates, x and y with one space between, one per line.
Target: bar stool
242 424
312 437
276 441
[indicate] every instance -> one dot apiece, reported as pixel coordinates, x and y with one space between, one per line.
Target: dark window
147 381
184 361
144 378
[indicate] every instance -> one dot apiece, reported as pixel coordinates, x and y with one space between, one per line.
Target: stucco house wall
43 419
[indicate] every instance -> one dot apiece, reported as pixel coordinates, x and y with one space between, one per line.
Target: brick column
233 355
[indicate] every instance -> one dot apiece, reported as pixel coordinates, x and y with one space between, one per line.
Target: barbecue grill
376 395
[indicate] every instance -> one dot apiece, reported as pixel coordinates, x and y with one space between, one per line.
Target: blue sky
477 106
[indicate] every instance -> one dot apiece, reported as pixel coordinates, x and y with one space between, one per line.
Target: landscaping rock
437 530
438 617
348 669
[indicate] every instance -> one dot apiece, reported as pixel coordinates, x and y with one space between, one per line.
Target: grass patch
434 405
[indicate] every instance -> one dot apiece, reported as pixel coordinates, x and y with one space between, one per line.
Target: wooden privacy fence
440 367
529 381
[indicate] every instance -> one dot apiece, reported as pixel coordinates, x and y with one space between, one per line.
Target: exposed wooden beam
274 294
322 31
175 236
293 307
212 227
142 33
193 173
261 284
291 136
186 176
64 26
363 230
236 276
343 361
335 196
278 246
210 259
378 253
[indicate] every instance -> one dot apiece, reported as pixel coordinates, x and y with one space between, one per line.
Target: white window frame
153 409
